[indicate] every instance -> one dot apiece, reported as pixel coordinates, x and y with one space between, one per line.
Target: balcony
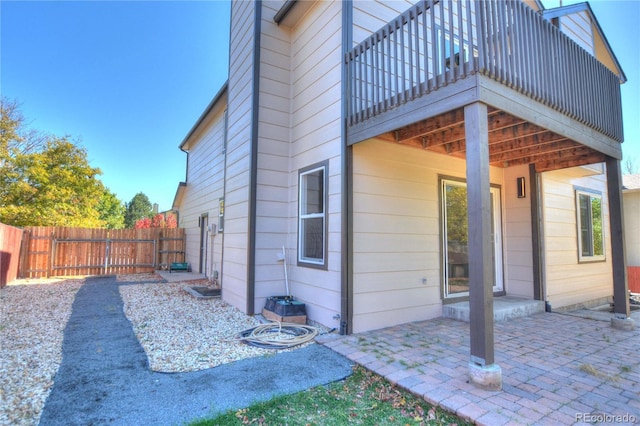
438 56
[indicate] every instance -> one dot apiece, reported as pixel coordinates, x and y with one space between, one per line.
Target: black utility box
285 306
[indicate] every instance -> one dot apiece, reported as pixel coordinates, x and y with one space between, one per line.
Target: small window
590 226
312 220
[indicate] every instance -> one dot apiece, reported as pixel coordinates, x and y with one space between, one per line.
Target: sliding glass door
455 239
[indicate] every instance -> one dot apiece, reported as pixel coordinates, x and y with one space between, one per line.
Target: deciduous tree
111 210
45 180
138 208
158 221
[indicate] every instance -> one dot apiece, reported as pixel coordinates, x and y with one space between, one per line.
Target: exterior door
455 239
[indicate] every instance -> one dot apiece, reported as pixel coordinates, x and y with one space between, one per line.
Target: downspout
537 243
186 173
186 176
253 154
224 191
346 269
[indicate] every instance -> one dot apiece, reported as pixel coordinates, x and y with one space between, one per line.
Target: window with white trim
590 226
312 219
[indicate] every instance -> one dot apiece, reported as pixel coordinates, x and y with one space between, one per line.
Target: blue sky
620 22
130 78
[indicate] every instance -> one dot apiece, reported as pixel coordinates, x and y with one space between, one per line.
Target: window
445 42
455 235
312 219
590 229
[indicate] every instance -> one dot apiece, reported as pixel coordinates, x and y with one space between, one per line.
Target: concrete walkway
172 277
104 376
557 369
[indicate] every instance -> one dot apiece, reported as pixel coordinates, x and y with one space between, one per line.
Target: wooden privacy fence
10 238
60 251
633 275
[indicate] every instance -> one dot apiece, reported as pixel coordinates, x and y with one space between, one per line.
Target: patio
556 368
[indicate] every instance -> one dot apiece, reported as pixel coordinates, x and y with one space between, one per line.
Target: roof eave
204 115
291 12
182 186
582 7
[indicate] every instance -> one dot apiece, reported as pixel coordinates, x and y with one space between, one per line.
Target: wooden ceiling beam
565 156
425 127
525 141
519 131
530 155
502 120
512 141
449 135
592 157
452 119
524 147
455 133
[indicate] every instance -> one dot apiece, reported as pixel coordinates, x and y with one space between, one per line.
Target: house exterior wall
272 203
316 53
602 53
517 245
205 185
569 282
238 176
579 28
397 260
397 232
369 16
631 203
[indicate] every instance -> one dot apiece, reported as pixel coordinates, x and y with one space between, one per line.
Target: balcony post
621 313
483 372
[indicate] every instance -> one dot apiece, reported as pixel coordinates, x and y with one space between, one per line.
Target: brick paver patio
556 369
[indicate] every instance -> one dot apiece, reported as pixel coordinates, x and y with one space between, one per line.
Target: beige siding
315 137
396 259
273 157
631 200
578 27
567 281
518 256
396 227
238 154
602 53
369 16
204 188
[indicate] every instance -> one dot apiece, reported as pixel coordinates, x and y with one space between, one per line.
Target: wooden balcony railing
434 44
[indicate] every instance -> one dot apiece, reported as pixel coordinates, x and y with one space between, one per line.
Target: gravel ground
33 315
178 332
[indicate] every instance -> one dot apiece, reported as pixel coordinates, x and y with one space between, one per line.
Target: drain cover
201 292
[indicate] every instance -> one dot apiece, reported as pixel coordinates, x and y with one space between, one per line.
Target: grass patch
364 398
590 369
625 369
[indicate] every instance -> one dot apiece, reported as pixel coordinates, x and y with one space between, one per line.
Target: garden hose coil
278 335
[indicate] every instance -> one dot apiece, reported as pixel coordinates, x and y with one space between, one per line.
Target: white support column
483 371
